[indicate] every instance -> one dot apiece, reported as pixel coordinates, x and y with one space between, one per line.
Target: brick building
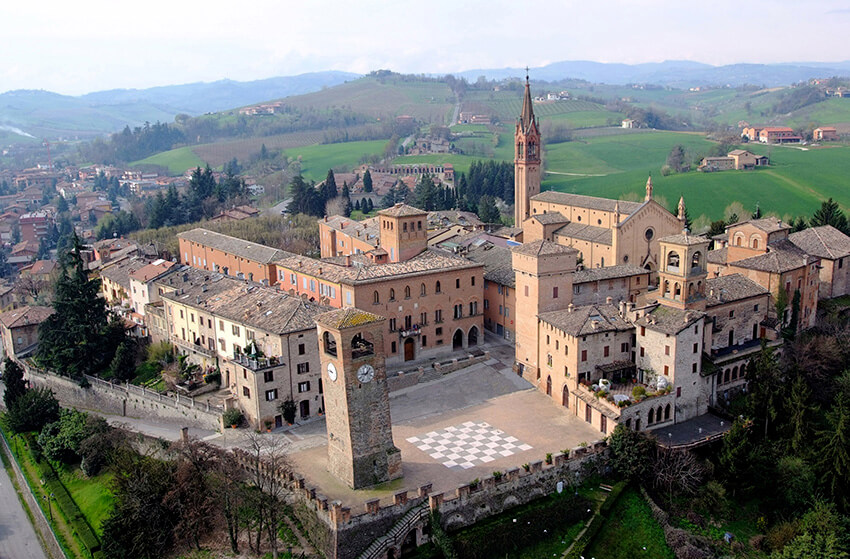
208 250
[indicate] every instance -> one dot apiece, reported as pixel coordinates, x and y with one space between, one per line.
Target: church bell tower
527 162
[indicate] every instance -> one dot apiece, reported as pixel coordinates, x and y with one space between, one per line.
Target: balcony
256 363
192 346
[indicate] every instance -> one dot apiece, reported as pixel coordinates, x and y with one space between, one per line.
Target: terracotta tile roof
824 242
574 230
497 263
668 320
231 245
766 224
734 287
153 270
684 239
549 218
402 210
606 273
542 248
255 305
782 256
446 217
587 320
118 271
25 316
717 256
429 260
348 317
366 230
589 202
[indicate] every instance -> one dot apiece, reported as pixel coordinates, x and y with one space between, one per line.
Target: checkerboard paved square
468 444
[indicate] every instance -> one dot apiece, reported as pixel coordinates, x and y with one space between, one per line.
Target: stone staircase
395 536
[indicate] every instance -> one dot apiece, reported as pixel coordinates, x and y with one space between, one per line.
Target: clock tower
357 405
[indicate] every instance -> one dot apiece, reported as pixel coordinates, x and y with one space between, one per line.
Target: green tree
764 381
61 439
123 365
487 210
830 214
33 410
329 190
81 336
833 450
800 415
735 451
367 181
425 194
13 378
631 452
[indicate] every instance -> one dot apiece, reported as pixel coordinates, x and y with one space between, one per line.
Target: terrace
256 364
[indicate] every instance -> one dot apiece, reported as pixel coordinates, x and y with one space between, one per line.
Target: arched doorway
565 397
473 337
409 349
548 386
457 339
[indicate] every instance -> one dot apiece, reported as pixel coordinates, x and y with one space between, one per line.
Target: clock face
331 372
365 373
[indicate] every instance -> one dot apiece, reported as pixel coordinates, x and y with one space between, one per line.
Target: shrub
779 536
33 410
638 391
497 475
233 416
548 458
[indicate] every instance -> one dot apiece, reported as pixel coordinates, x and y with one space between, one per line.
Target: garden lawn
92 495
629 529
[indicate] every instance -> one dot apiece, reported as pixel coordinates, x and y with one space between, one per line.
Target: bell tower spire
648 189
526 158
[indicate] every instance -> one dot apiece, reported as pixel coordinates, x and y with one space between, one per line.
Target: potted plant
268 425
232 417
288 409
548 457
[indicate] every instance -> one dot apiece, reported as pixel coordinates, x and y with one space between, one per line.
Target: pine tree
833 444
367 181
81 336
487 210
425 194
830 214
329 190
13 378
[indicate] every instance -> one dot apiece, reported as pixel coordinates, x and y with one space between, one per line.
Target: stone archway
457 339
472 338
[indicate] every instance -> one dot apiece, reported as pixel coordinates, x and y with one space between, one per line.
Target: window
576 289
302 349
694 368
304 387
293 279
392 294
457 283
192 317
392 347
732 313
234 329
407 292
755 308
376 298
249 334
458 311
555 292
473 308
423 319
246 392
303 368
313 285
678 392
408 322
268 376
549 359
642 351
473 280
584 355
624 347
696 347
666 370
606 351
422 290
526 291
667 350
439 331
424 341
437 288
507 312
181 313
221 325
438 317
271 395
487 304
392 325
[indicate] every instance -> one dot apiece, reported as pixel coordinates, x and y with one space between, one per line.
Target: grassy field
317 159
630 532
176 160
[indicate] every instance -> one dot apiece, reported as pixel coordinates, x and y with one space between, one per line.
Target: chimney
320 270
348 260
594 324
570 307
326 219
609 300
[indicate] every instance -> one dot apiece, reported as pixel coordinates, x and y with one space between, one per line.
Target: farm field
794 185
317 159
176 160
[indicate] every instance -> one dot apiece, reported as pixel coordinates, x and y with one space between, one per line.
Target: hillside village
616 314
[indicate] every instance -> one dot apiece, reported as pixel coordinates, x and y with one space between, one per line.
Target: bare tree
268 479
190 496
336 206
30 287
227 483
677 470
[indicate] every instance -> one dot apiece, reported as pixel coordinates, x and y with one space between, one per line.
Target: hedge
510 531
596 522
66 506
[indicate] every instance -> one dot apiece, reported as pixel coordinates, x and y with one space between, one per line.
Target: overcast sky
79 46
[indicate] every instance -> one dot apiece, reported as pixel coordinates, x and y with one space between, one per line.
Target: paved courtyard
463 426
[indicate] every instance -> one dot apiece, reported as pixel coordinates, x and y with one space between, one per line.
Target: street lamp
48 497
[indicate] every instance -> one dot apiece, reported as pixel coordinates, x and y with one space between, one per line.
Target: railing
397 533
192 346
174 400
256 363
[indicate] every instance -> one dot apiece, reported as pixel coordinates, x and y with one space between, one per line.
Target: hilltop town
437 345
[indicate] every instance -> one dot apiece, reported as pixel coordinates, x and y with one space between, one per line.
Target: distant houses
739 160
825 134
